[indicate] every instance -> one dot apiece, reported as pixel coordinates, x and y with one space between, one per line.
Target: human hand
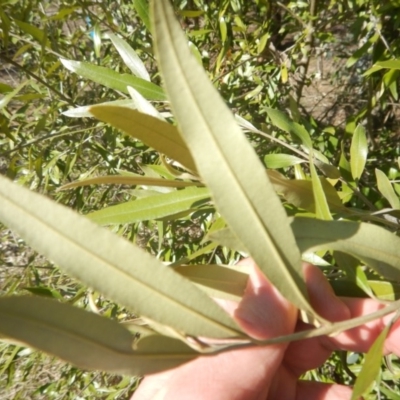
272 372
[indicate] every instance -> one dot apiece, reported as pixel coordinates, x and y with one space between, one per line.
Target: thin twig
37 78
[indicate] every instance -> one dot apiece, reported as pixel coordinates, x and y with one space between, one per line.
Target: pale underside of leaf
152 131
83 112
226 161
85 339
131 59
377 247
110 264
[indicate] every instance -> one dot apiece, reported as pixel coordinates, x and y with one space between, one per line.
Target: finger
322 296
308 354
237 374
361 338
263 312
334 309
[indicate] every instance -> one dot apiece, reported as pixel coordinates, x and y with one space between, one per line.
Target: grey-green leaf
149 208
226 161
281 121
375 246
111 264
85 339
358 152
156 133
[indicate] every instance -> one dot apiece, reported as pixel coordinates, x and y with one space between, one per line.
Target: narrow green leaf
114 80
128 180
321 205
96 37
8 97
375 246
149 208
110 264
281 160
358 152
354 272
142 8
281 121
383 290
386 189
5 27
330 171
85 339
226 161
35 32
131 59
392 64
152 131
371 366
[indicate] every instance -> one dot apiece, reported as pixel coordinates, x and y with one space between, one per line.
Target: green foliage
335 199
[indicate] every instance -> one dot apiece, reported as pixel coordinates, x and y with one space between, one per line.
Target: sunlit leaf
149 208
392 64
281 121
358 152
386 189
131 59
321 205
371 366
110 264
226 161
114 80
152 131
281 160
142 8
85 339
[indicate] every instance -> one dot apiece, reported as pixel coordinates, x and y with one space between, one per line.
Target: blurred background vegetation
307 58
